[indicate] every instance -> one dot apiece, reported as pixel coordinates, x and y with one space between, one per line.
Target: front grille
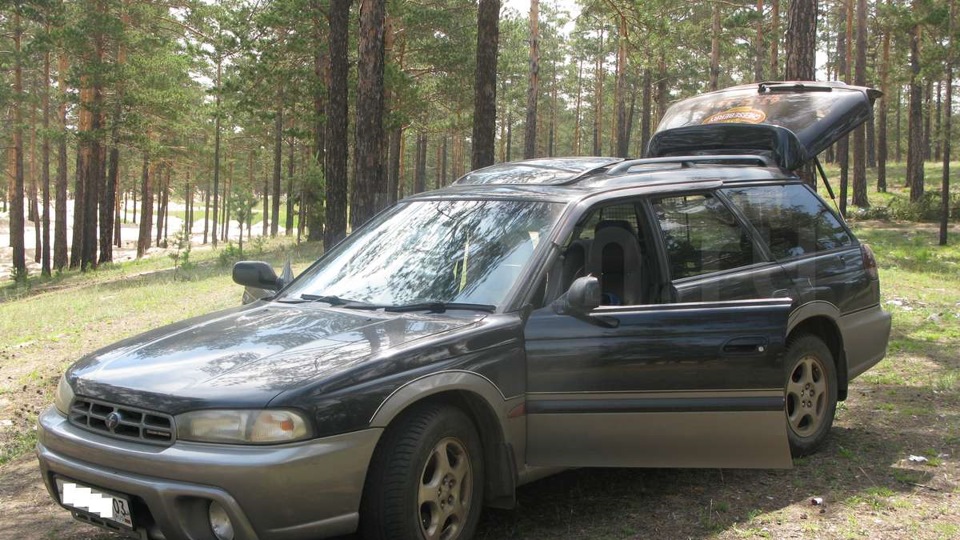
134 424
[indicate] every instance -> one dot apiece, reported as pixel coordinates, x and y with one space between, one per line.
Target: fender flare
435 383
816 308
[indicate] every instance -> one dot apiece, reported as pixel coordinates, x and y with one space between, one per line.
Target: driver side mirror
583 296
256 274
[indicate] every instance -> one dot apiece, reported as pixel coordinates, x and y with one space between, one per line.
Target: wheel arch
483 402
820 319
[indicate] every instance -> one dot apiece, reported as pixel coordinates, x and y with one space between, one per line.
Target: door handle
745 345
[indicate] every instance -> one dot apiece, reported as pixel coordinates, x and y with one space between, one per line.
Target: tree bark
420 169
485 84
623 125
915 142
598 102
45 166
533 88
801 51
715 46
60 210
947 131
288 223
859 135
277 171
645 111
335 166
843 70
216 153
775 42
146 207
16 201
370 196
758 46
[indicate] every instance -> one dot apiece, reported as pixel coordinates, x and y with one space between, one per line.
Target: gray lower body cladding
304 490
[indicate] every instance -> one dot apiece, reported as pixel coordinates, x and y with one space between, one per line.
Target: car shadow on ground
699 503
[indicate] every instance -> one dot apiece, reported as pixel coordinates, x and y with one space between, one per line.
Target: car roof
574 178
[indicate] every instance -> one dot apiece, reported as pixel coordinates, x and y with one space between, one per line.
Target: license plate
95 501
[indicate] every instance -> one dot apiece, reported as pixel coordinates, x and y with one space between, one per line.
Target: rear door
818 113
671 385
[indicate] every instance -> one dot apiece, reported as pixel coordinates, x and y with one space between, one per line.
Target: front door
672 385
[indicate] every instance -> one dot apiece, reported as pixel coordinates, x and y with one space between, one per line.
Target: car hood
818 114
244 357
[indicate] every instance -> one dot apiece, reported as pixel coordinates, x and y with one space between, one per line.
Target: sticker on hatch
93 501
737 115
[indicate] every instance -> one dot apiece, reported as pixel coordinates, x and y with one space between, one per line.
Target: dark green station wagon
700 307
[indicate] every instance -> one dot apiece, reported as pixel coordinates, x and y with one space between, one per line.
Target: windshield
462 251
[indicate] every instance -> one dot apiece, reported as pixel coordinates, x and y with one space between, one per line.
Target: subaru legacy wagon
699 307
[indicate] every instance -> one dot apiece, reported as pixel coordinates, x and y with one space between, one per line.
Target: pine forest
130 125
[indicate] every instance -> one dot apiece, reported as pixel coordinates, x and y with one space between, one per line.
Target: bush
229 254
901 209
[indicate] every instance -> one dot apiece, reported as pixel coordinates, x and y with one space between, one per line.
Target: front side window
790 219
701 235
469 251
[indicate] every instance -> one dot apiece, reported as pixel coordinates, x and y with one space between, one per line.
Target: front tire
425 481
810 393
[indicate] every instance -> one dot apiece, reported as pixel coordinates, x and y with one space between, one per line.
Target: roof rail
687 161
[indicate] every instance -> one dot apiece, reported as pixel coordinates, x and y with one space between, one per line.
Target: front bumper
310 489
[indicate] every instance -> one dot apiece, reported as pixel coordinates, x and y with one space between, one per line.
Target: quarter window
701 235
791 219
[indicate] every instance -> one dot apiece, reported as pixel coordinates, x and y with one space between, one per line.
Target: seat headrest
614 223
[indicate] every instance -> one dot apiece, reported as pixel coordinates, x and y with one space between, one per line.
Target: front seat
615 260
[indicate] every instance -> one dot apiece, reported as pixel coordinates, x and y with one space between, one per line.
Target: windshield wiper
336 301
440 307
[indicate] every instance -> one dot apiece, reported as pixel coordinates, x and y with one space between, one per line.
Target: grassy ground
908 405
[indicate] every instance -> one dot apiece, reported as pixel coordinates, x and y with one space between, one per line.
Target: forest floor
908 405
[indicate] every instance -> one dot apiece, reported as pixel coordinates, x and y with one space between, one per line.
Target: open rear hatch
790 122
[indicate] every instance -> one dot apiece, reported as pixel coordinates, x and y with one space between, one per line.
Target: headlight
242 427
64 395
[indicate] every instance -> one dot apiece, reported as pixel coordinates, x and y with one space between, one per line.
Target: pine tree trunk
775 42
45 164
291 158
60 206
369 197
216 153
16 201
843 71
146 207
715 47
623 126
533 88
928 139
575 150
335 167
915 142
393 167
758 45
277 171
645 111
859 135
947 130
801 51
899 145
420 169
598 102
485 84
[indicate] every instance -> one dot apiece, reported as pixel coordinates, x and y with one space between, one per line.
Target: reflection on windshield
434 251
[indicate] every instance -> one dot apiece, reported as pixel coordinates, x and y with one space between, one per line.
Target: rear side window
790 219
701 235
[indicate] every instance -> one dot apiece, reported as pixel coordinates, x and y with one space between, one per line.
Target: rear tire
810 393
425 480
